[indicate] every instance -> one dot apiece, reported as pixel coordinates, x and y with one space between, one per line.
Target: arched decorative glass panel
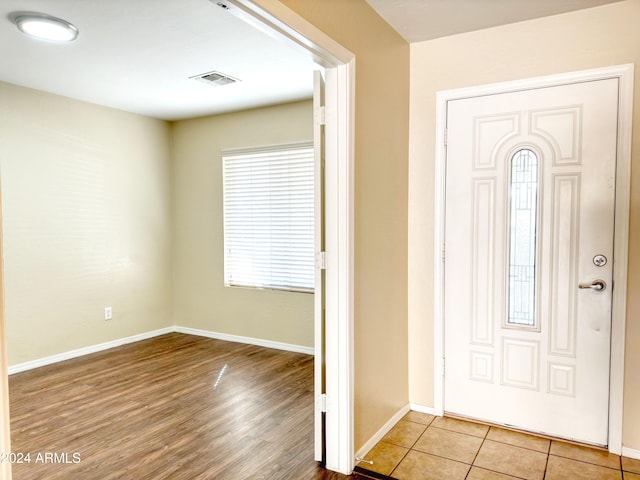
523 216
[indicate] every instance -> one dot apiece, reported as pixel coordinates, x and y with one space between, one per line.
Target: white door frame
625 74
279 21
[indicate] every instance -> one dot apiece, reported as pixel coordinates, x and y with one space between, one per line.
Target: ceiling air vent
215 78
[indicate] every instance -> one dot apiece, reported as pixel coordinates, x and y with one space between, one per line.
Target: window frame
254 279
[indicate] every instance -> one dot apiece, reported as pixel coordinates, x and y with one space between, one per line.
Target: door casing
625 74
277 20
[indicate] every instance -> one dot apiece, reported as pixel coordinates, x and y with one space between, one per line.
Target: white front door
530 198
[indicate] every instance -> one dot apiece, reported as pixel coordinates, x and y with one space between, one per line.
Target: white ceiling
138 55
419 20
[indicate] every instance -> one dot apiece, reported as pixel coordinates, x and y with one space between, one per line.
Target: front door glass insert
523 214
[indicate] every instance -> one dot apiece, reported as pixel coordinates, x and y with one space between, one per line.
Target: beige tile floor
424 447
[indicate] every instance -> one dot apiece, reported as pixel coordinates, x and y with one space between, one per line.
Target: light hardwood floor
172 407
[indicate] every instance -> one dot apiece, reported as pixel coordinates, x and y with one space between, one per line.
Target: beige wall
90 219
200 298
381 152
597 37
86 216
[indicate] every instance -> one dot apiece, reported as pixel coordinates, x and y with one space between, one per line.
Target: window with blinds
268 218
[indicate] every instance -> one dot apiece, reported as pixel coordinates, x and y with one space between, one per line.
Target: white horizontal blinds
268 218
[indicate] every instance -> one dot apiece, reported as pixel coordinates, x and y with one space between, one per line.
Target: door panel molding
625 76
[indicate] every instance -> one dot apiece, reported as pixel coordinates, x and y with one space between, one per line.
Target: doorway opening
339 238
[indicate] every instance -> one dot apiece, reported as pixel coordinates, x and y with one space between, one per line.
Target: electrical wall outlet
108 313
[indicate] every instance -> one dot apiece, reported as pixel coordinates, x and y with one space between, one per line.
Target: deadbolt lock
599 260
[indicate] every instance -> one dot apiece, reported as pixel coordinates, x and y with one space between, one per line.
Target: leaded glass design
523 206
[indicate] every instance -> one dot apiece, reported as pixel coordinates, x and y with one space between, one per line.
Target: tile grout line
587 462
458 431
546 464
413 445
484 439
409 449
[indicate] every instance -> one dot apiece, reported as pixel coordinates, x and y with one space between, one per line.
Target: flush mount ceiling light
45 27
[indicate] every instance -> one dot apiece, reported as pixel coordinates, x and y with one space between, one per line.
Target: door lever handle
598 285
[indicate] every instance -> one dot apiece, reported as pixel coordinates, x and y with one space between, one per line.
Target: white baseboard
60 357
421 408
631 453
382 432
41 362
248 340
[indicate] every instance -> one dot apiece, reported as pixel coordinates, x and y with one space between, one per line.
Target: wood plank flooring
173 407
